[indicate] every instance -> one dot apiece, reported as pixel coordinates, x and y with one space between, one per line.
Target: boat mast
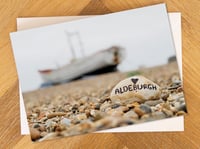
80 43
69 37
68 34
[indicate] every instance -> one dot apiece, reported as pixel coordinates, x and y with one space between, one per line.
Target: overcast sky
144 33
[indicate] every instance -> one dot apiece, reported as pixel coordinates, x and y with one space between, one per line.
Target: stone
131 100
41 115
44 133
87 112
60 128
180 89
131 114
175 97
177 105
122 108
85 127
42 128
66 121
96 114
146 108
133 105
158 115
176 79
139 111
145 117
167 112
180 113
181 100
49 136
115 105
50 125
51 115
36 126
102 100
35 134
105 106
82 109
182 107
137 87
39 127
165 95
96 106
153 102
115 112
81 116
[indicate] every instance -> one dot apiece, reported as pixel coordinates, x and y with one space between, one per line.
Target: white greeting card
93 122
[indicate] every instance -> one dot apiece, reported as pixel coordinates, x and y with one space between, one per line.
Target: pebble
105 106
41 115
51 115
116 105
165 105
115 112
182 107
82 108
145 108
34 115
44 133
165 95
85 112
42 128
174 97
177 105
139 111
180 89
175 79
123 108
85 127
131 114
137 86
39 127
35 134
102 100
66 121
153 102
50 124
96 106
167 112
145 117
132 100
81 116
43 119
60 128
96 114
133 105
75 121
36 126
180 113
49 136
181 100
158 115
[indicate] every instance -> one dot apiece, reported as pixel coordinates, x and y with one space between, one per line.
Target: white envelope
172 124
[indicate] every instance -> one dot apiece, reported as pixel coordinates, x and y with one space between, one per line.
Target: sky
144 33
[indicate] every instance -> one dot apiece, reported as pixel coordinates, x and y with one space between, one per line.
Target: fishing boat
101 61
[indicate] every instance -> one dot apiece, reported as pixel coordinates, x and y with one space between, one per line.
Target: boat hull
95 63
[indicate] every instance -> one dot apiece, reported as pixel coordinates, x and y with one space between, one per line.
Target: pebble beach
84 106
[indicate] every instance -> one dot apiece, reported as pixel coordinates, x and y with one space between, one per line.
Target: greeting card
97 73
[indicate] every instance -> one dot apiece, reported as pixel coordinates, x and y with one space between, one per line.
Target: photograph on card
98 73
